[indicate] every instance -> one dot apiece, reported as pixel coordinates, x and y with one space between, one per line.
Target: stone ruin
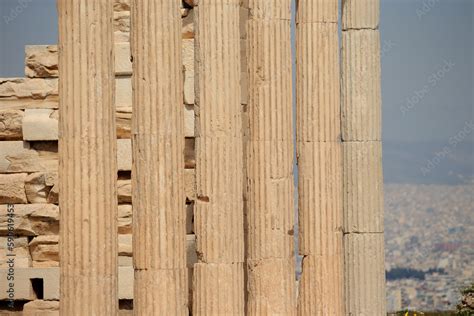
219 238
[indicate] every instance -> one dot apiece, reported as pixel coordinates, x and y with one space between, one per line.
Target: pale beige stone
18 156
124 191
188 121
319 152
188 25
123 63
36 189
16 248
41 308
361 86
364 274
41 61
158 144
23 93
269 161
124 154
40 124
88 153
188 64
363 183
125 219
23 287
10 124
44 251
30 219
12 188
360 14
218 216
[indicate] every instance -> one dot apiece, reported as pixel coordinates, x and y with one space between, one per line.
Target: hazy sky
427 61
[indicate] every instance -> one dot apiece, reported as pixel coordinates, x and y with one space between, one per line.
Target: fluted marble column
363 184
319 151
218 278
87 151
269 161
159 234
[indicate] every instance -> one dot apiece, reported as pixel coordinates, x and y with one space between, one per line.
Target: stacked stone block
362 181
319 152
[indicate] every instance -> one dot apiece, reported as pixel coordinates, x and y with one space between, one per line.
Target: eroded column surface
159 234
218 278
319 151
269 162
362 178
87 151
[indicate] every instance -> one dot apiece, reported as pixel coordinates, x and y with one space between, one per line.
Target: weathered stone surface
124 154
23 93
10 124
125 219
269 161
158 145
124 191
188 64
36 189
219 273
17 246
31 219
188 25
364 274
319 152
12 188
41 61
123 119
360 14
44 251
361 85
18 156
88 168
41 308
40 124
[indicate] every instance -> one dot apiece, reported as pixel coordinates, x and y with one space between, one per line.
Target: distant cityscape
429 245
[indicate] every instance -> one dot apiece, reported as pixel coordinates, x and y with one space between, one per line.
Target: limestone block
124 154
123 119
31 219
10 124
125 245
40 124
363 187
125 219
122 26
23 287
188 25
188 64
123 64
360 14
12 188
124 191
188 121
17 246
44 251
123 92
18 156
50 277
121 5
23 93
41 61
189 153
364 274
41 308
37 191
361 91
